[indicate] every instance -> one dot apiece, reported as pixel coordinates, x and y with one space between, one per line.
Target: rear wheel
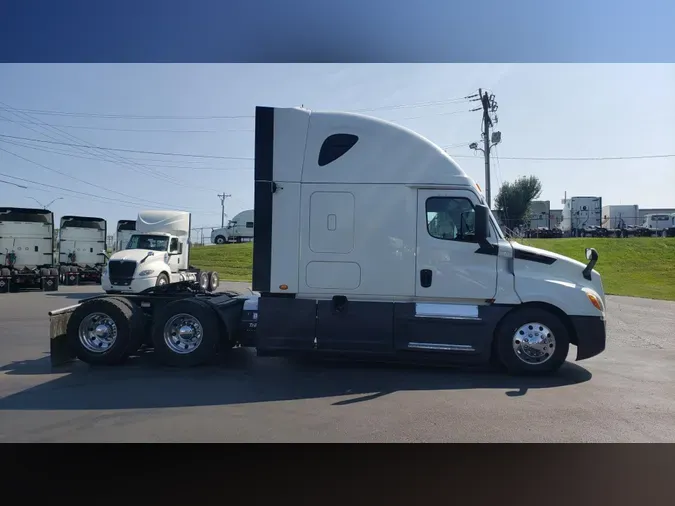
204 280
214 281
105 331
532 341
186 333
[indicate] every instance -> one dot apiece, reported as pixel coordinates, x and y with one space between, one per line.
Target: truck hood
137 255
536 263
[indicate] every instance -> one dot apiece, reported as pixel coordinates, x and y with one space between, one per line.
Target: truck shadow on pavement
243 378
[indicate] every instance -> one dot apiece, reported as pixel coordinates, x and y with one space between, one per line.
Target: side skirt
389 330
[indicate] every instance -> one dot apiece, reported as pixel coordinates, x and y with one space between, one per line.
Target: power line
192 155
574 159
196 155
145 170
137 199
83 195
138 130
118 157
44 112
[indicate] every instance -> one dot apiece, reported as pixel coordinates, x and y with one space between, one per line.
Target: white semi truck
158 253
27 250
238 229
125 229
659 224
81 249
581 216
370 241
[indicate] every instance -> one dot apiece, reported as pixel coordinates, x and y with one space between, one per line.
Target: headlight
146 272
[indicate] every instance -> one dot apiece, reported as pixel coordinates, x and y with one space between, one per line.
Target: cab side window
450 218
173 248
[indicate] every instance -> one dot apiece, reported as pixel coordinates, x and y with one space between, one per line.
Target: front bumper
591 332
137 285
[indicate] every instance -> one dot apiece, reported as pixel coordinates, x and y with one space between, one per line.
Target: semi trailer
27 250
581 217
125 229
81 249
158 253
370 241
238 229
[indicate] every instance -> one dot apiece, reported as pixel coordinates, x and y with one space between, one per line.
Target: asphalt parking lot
624 395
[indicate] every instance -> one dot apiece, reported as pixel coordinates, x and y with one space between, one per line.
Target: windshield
152 242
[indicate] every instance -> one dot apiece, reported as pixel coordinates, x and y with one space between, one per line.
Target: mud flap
60 353
49 283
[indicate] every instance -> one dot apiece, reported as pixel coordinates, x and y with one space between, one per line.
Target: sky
545 111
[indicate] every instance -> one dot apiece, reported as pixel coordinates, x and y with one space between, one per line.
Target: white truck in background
620 216
158 253
27 250
581 216
659 224
81 249
238 229
125 229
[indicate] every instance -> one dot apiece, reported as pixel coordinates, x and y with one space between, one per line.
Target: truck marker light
595 300
283 287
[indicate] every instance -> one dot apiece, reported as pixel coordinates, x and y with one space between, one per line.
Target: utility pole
488 105
222 197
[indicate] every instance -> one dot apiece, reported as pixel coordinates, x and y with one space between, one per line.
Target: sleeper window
450 218
335 146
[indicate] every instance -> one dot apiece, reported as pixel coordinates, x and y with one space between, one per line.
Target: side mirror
591 254
592 257
482 223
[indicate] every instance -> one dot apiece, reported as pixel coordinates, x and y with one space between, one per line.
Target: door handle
425 278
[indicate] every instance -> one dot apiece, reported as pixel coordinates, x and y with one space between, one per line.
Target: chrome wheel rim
97 332
183 333
161 281
534 343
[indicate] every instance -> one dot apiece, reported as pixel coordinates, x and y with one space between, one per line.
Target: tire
186 313
220 239
214 281
508 332
203 279
162 279
128 324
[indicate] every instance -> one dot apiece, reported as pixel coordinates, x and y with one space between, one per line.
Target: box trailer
27 250
618 217
355 254
82 243
581 216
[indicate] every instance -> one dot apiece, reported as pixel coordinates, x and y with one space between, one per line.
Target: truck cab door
455 276
451 265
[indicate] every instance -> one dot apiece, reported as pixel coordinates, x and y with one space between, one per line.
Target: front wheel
220 240
532 341
162 280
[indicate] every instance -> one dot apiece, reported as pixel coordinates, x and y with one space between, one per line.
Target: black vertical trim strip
262 207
